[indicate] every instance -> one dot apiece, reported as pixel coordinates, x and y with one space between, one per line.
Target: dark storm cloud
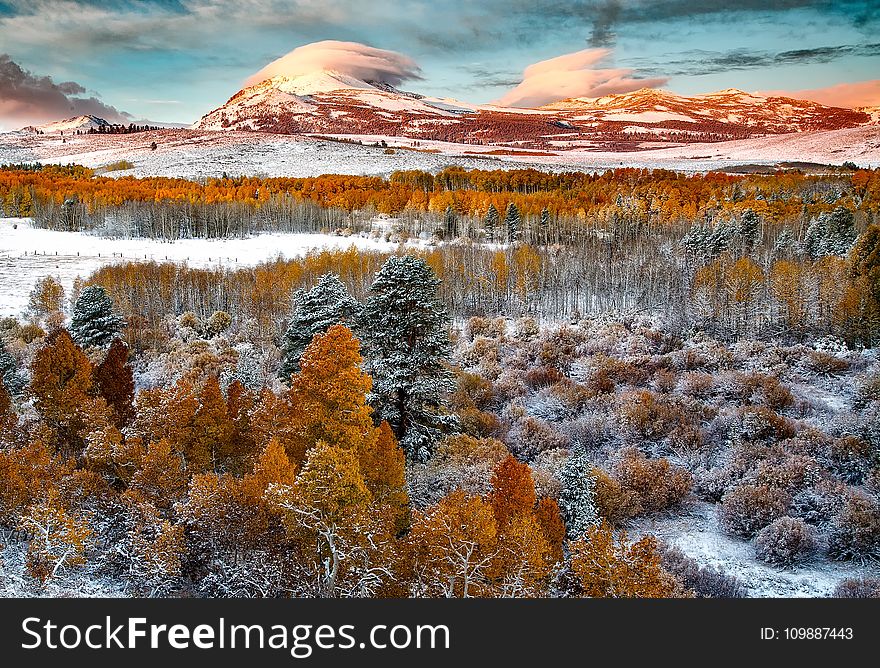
28 98
699 62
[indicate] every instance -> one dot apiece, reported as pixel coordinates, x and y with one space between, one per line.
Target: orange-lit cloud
851 95
351 58
573 75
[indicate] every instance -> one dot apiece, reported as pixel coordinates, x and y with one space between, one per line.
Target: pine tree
577 498
13 381
315 311
405 332
513 223
491 222
749 227
94 323
114 380
830 233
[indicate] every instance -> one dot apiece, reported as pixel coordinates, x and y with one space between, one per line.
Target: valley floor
200 154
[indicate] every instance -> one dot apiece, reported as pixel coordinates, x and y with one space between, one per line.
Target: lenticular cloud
573 75
351 58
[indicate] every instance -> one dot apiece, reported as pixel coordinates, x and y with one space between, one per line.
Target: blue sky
174 60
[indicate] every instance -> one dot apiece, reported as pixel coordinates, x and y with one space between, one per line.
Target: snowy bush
858 588
655 483
748 508
704 581
855 530
785 542
531 436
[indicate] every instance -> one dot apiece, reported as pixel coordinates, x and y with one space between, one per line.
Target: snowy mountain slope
331 103
69 126
316 102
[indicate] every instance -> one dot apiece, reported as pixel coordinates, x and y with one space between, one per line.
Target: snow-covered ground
199 154
28 255
698 534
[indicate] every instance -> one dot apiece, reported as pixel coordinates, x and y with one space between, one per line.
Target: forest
505 412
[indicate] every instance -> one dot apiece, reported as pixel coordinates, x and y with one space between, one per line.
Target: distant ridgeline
118 129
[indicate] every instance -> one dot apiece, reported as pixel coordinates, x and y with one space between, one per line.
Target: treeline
776 291
74 198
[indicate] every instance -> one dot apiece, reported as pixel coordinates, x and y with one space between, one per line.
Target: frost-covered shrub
855 530
665 381
704 581
547 472
218 323
867 390
850 458
696 384
817 505
857 588
825 364
559 348
614 503
542 377
785 542
510 385
531 436
647 416
686 439
570 394
526 329
772 394
757 423
790 472
590 430
655 483
747 509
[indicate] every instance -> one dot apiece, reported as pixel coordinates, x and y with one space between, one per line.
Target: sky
175 60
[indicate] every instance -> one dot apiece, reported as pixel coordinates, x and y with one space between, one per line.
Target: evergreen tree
749 227
491 222
94 323
577 498
12 380
830 233
315 311
513 223
407 346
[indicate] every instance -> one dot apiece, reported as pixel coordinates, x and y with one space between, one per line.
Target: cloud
850 95
28 98
573 75
351 58
697 62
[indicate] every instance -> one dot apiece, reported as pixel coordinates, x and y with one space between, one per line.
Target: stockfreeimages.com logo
300 640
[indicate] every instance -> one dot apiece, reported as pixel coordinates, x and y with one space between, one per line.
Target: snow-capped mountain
323 101
729 111
69 125
332 103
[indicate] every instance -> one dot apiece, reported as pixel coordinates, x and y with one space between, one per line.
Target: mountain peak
74 124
